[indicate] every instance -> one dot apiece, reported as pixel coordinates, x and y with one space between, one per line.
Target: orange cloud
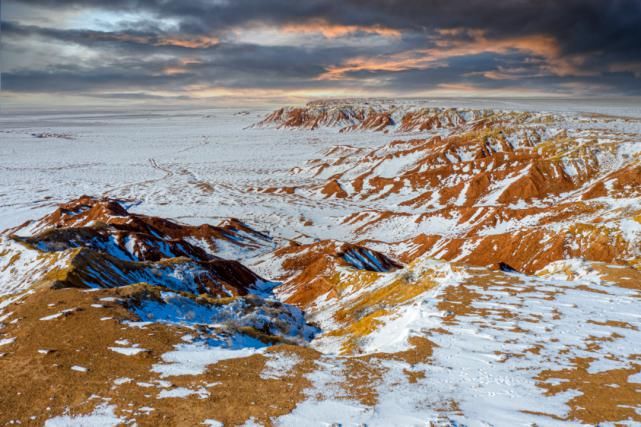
408 60
329 30
452 45
191 43
187 42
182 67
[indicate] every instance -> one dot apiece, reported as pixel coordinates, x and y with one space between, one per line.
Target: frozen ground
501 343
192 165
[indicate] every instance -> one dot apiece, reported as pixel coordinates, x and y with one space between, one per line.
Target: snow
402 322
180 392
7 341
57 315
411 319
163 160
325 412
392 167
636 378
193 359
499 187
102 416
187 147
24 266
283 319
127 351
631 229
122 380
512 224
279 365
471 363
174 151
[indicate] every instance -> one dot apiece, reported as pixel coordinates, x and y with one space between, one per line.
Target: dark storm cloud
173 45
234 66
579 25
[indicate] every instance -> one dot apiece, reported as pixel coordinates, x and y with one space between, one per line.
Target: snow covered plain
195 166
504 338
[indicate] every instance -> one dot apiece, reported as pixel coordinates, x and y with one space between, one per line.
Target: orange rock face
525 188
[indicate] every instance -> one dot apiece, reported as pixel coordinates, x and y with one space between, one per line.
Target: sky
128 51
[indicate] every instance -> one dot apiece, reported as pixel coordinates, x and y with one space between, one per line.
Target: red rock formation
91 212
496 170
117 248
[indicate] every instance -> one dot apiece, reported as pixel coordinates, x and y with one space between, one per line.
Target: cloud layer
269 48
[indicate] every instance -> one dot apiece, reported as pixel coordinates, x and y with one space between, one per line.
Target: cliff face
348 116
521 188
